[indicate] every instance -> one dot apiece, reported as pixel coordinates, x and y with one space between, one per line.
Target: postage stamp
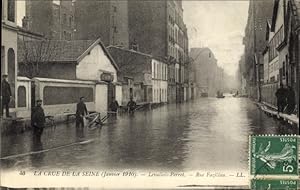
274 184
274 155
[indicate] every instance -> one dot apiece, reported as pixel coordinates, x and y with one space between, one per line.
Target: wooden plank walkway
291 119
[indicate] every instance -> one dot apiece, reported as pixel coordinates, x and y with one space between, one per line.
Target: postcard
150 94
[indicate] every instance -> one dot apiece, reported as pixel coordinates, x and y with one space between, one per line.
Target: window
115 29
65 19
283 70
115 8
57 2
64 35
11 10
70 20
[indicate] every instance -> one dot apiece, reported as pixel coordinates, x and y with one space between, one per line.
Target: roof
61 51
130 51
131 63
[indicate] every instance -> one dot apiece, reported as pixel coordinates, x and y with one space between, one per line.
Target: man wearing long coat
6 95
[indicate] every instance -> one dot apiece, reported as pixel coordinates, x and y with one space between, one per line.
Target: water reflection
37 156
208 133
79 133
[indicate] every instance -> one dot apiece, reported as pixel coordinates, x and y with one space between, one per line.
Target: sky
219 25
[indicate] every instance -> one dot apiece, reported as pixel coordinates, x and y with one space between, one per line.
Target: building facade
280 55
9 51
159 81
105 19
144 75
54 19
208 75
157 28
255 43
72 69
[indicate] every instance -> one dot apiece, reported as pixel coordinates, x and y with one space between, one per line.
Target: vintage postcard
139 94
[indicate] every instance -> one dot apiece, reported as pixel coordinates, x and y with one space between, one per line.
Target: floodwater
207 133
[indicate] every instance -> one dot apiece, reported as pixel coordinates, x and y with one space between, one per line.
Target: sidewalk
270 110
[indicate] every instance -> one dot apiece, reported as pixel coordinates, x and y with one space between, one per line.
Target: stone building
255 43
67 70
106 19
54 19
157 28
280 55
145 77
9 51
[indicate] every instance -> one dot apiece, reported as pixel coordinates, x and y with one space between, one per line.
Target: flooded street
207 133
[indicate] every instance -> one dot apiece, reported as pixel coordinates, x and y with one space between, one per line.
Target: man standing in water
281 98
81 111
6 95
38 121
131 106
114 106
291 100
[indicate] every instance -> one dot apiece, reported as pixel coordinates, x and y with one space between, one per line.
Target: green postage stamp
274 184
274 155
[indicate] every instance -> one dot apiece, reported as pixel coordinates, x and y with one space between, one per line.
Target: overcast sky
219 25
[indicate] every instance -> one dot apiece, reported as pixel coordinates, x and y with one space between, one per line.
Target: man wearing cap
38 120
81 111
6 95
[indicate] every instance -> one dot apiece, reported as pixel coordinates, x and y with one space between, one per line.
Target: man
114 106
6 95
81 111
131 105
281 98
38 120
291 101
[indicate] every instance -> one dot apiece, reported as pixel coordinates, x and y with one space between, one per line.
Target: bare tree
35 53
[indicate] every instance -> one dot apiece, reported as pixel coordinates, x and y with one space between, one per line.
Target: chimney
25 23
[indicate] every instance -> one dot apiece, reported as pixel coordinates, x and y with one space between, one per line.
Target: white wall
274 68
160 91
101 98
24 111
93 65
119 94
53 110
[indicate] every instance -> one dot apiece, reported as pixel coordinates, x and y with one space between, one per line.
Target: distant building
149 76
208 76
106 19
54 18
241 81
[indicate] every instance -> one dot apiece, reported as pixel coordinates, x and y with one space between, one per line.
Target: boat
204 94
220 95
